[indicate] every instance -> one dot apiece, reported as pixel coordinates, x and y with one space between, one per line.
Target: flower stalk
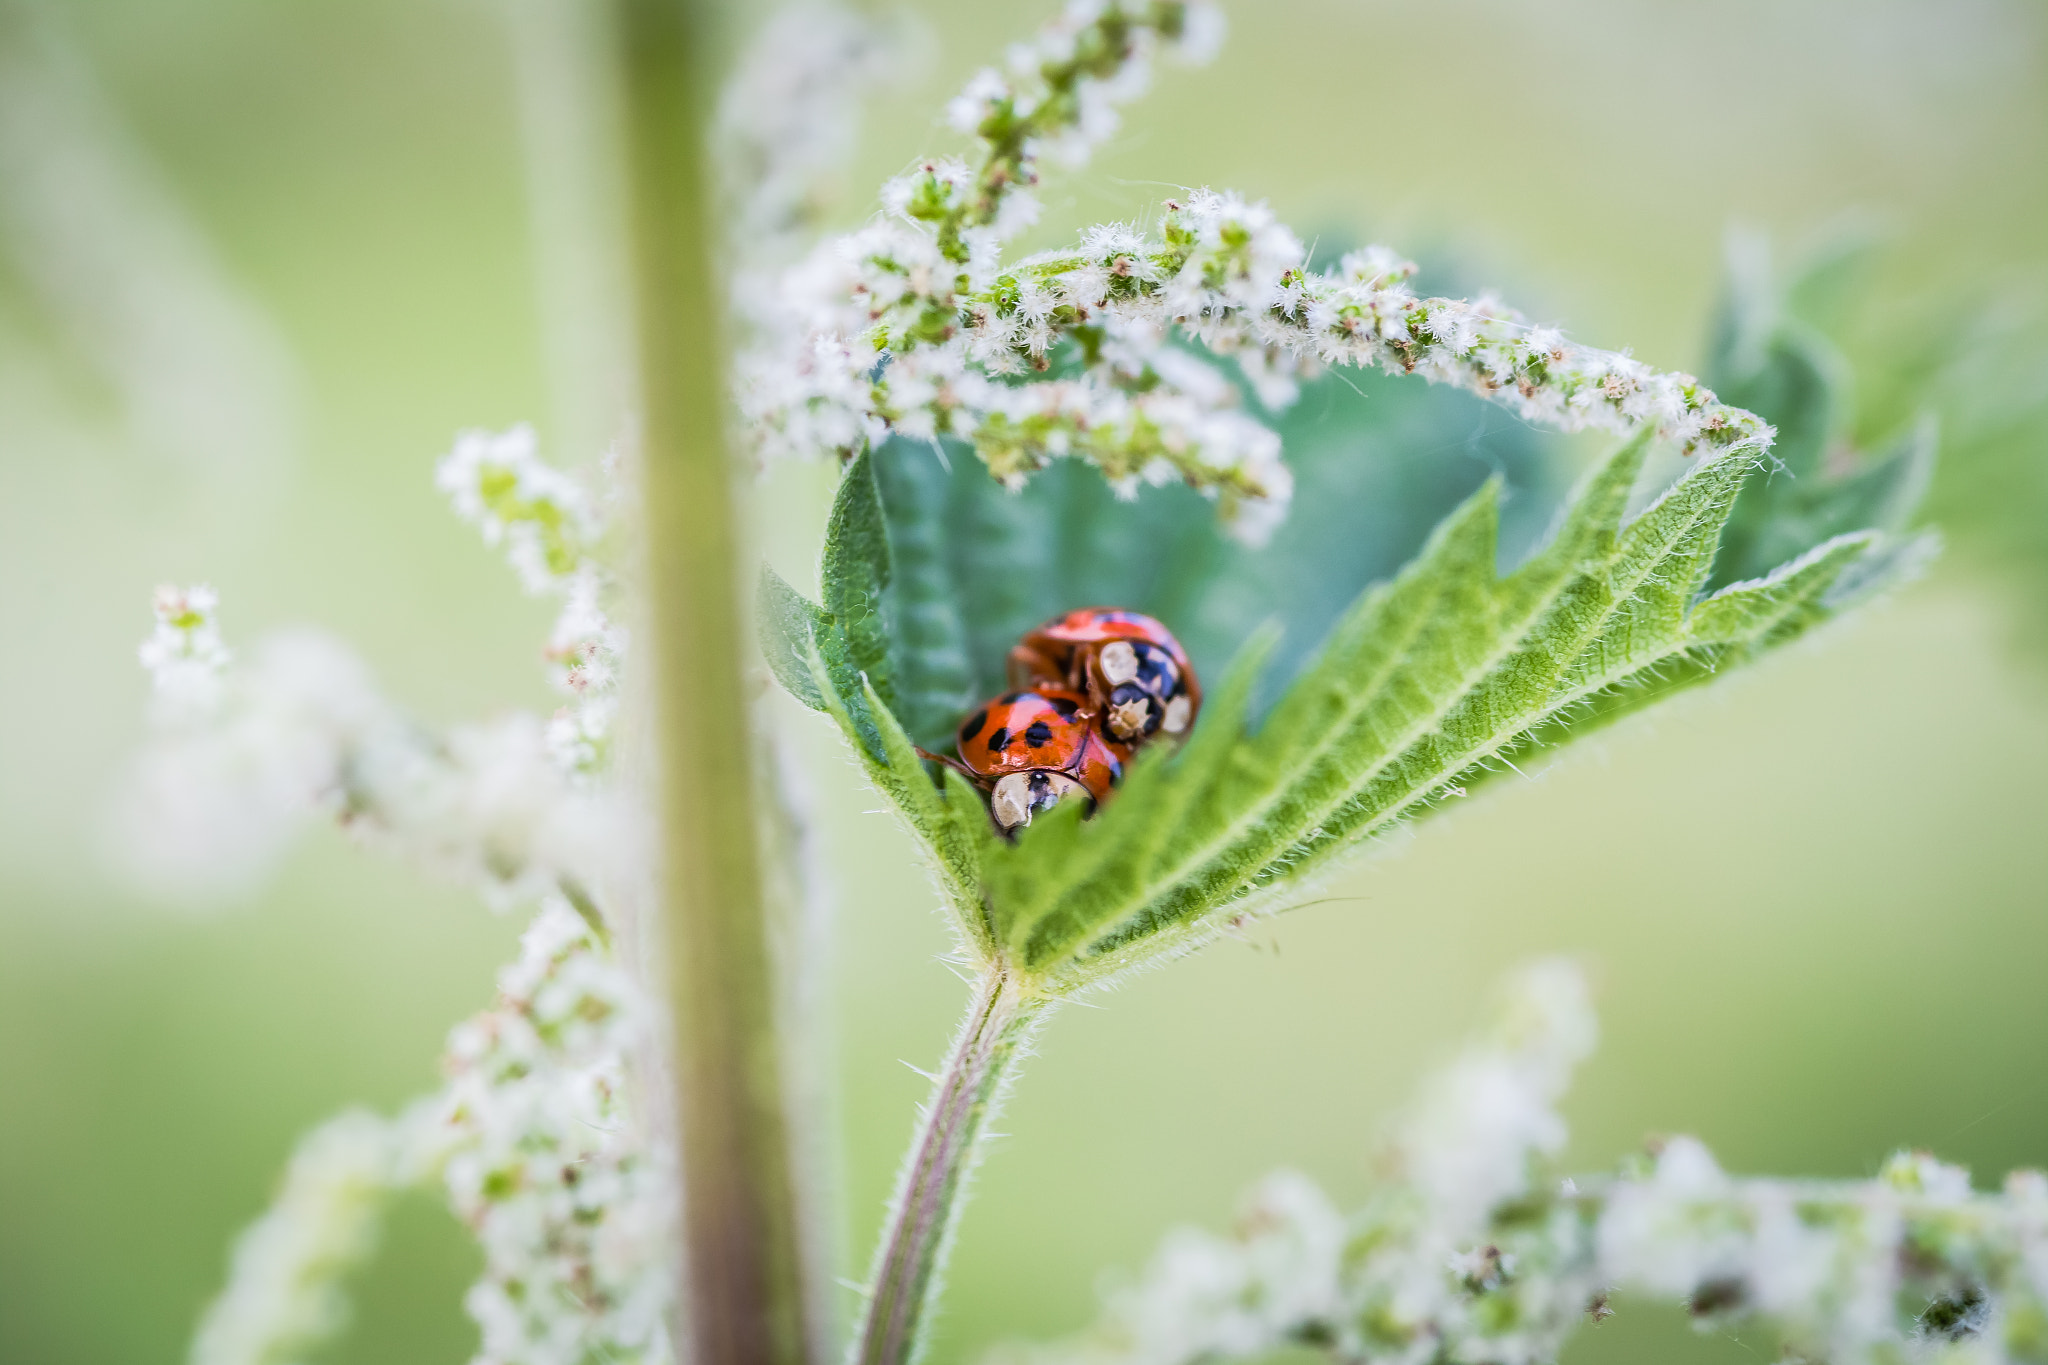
925 1208
740 1300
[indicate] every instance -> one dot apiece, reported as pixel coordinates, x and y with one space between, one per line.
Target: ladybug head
1132 714
1017 796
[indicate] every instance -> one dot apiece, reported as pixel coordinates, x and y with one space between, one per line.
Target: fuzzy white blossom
536 1135
550 1164
184 655
284 1293
539 516
543 1153
1470 1251
233 771
299 732
1467 1145
550 527
913 325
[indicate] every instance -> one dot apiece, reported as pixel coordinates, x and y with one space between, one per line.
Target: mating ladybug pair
1092 687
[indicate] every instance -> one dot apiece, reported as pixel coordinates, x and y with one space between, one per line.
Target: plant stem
929 1193
740 1301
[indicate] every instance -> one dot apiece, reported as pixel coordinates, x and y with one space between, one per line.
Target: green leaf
789 627
951 823
1772 357
1377 461
935 684
1427 682
837 657
854 573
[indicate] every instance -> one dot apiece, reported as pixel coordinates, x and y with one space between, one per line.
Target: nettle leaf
1772 356
949 819
790 627
843 658
854 576
1425 683
832 657
1429 681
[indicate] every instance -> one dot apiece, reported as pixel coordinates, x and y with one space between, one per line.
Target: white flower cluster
913 325
549 1165
867 337
1061 93
541 517
234 770
550 529
1468 1254
183 655
540 1150
532 1135
284 1292
1914 1265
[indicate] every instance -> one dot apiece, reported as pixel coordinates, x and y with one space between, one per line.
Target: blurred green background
258 262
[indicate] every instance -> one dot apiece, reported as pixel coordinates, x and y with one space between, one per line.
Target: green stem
929 1193
740 1301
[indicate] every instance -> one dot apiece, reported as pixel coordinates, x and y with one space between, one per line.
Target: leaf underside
1428 682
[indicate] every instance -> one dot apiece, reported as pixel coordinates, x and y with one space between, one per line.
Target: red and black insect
1134 674
1031 749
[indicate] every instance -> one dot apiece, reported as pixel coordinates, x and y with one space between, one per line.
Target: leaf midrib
1177 937
1213 850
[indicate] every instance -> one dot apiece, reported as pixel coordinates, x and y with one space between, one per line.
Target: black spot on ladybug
1039 735
1156 670
1000 740
973 726
1008 698
1066 706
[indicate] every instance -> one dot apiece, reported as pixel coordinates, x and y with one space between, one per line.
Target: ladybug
1034 748
1132 670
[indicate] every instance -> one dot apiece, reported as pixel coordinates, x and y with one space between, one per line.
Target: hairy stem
740 1301
928 1198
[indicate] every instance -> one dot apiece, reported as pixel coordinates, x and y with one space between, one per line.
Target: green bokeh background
1813 899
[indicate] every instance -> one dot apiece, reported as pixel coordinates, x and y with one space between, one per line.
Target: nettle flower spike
184 655
1474 1250
913 326
538 1140
550 528
540 516
243 755
539 1137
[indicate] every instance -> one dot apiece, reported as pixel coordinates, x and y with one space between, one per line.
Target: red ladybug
1132 670
1033 748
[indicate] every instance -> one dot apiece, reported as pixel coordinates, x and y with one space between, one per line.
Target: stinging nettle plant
1129 421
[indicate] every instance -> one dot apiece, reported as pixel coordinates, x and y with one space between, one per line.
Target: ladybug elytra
1135 675
1035 747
